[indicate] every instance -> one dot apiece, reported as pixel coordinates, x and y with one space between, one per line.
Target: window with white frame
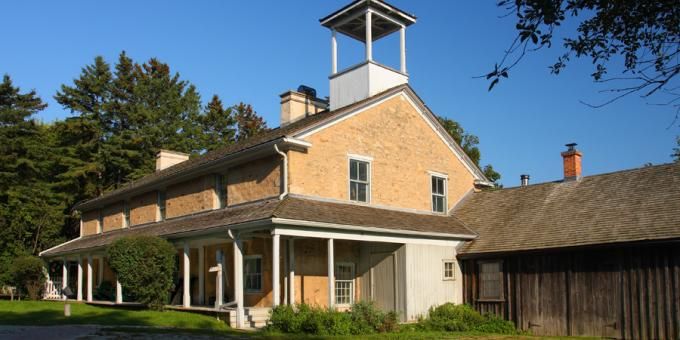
438 193
252 273
359 180
449 269
344 283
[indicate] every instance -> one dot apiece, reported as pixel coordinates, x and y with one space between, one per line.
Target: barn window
344 283
491 280
359 180
449 270
252 273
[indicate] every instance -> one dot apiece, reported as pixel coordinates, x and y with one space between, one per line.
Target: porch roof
293 208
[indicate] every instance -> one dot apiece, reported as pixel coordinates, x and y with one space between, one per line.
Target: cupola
365 21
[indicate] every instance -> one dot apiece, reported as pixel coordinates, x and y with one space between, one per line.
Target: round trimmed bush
28 274
145 267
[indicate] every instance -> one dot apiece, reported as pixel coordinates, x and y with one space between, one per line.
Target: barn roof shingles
625 206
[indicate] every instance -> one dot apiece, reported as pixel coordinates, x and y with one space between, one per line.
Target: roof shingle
632 205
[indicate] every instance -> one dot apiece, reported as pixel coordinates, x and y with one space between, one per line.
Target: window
126 214
449 269
438 194
252 273
344 283
490 280
161 205
359 180
221 190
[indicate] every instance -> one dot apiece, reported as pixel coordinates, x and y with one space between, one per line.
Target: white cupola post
366 21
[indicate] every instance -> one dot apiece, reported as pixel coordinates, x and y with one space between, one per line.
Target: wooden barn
592 256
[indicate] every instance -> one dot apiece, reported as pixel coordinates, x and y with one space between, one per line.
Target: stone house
364 196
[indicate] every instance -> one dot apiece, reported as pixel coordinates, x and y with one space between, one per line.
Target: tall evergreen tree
217 125
31 213
248 122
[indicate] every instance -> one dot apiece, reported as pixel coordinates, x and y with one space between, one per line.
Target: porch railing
52 290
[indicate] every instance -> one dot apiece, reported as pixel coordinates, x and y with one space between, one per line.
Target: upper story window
126 214
161 205
221 190
252 273
491 280
438 193
359 180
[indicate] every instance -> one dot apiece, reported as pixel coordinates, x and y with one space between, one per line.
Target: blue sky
252 51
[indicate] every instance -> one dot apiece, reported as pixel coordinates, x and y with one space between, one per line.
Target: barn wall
625 292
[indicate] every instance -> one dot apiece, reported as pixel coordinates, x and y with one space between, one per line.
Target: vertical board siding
630 292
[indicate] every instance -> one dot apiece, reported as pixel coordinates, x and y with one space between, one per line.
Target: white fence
52 290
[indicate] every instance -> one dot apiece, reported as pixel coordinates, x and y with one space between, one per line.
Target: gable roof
625 206
274 135
291 207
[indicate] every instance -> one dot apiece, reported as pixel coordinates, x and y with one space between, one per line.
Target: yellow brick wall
190 197
254 180
143 208
403 147
90 222
113 217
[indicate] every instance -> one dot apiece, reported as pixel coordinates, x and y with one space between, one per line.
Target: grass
51 313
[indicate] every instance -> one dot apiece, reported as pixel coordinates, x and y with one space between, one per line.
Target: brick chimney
299 104
572 162
167 158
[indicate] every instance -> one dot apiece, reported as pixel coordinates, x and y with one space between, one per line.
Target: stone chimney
299 104
572 162
167 158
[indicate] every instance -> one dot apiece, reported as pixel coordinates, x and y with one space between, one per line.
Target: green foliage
105 292
362 319
145 265
469 143
28 275
31 210
463 318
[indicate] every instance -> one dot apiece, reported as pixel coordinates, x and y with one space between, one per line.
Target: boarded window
359 180
490 280
438 194
344 283
252 273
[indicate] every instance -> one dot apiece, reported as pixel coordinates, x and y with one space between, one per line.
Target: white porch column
100 271
119 292
64 277
369 37
219 283
331 274
334 52
89 277
238 282
186 299
201 275
276 288
402 45
79 292
291 271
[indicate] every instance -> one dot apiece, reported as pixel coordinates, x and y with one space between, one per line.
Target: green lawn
48 313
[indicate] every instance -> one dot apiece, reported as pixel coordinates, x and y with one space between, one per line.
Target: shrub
363 318
452 318
105 292
145 266
28 274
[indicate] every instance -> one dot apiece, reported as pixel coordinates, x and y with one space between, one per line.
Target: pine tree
218 125
248 122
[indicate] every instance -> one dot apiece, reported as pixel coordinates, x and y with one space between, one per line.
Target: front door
383 283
